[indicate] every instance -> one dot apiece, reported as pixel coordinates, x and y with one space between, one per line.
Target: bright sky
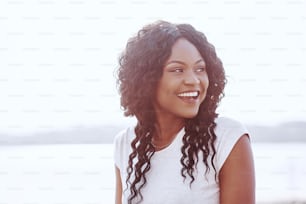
57 58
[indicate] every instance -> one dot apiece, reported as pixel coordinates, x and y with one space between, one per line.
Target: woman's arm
118 190
237 176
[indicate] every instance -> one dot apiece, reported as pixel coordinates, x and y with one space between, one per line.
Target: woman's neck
166 130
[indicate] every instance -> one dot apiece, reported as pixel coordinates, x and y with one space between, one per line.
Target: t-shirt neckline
178 137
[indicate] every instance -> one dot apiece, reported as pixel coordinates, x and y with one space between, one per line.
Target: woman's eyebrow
183 63
175 61
199 61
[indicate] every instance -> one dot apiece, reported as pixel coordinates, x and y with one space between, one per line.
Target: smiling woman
180 151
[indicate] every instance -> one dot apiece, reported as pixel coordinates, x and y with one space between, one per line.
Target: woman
180 151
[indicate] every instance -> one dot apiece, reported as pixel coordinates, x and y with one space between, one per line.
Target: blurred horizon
294 131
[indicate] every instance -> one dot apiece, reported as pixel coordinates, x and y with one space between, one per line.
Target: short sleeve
122 148
228 132
118 141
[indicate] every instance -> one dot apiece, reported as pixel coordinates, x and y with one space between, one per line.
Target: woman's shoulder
125 136
229 128
227 122
122 146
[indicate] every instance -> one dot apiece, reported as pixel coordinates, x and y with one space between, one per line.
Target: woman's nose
191 78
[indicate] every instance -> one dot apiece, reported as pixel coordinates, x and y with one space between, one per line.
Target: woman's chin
190 115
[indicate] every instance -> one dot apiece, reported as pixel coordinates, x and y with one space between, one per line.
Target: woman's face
184 82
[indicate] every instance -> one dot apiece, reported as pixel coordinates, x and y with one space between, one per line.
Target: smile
190 94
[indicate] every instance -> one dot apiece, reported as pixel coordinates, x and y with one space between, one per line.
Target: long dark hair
141 67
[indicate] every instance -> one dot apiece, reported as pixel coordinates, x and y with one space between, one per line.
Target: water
60 174
84 174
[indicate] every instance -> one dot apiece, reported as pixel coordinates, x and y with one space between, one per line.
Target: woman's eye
177 70
201 69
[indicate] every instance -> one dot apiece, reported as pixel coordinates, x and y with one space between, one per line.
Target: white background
58 58
57 64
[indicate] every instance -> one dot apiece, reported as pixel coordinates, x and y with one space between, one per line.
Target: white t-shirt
165 185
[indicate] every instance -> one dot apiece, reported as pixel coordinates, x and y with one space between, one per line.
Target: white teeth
189 94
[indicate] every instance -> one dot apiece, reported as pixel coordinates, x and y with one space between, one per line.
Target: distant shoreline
286 132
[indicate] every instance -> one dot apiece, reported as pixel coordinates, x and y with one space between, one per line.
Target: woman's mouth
189 95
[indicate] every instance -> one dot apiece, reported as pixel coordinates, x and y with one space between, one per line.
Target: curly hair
140 69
